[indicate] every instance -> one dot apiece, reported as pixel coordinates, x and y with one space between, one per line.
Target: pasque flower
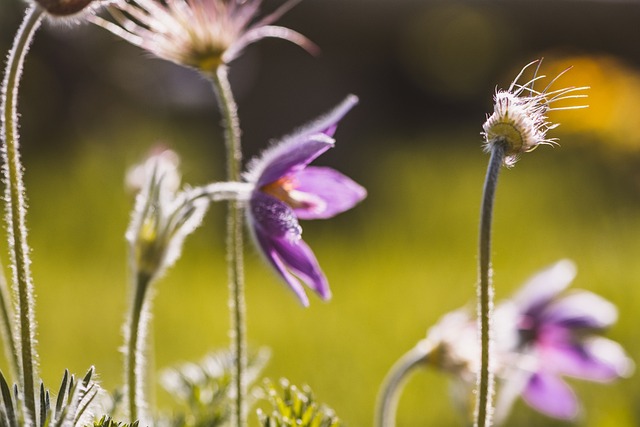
542 334
519 119
561 331
202 34
286 189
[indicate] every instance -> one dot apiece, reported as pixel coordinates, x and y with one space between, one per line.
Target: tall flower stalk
485 287
207 35
518 125
7 326
235 256
16 208
161 220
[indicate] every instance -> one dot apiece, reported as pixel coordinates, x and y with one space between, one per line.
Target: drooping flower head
519 120
286 188
558 334
202 34
163 216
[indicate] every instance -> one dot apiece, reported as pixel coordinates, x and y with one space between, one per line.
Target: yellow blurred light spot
612 99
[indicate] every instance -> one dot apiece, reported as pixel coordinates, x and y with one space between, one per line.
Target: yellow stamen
284 189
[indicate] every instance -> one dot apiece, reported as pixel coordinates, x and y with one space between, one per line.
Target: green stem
16 207
6 321
387 404
136 339
485 288
234 243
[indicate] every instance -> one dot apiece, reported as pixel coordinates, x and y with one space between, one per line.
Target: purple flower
561 332
286 188
540 335
202 34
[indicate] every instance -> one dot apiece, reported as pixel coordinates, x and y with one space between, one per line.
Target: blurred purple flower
539 335
202 34
561 333
287 189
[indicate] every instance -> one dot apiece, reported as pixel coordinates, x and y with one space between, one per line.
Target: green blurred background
425 72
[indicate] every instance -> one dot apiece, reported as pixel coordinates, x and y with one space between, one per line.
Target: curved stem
136 339
234 244
16 206
222 191
387 404
485 289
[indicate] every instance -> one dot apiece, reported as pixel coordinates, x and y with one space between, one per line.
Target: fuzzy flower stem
6 324
136 339
16 207
485 289
387 404
234 243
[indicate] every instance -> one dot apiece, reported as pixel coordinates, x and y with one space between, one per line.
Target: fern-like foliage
205 388
73 405
295 407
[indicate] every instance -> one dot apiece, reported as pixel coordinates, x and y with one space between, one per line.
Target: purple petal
595 359
551 396
330 192
540 289
296 151
289 157
581 310
277 233
299 258
328 123
265 243
273 217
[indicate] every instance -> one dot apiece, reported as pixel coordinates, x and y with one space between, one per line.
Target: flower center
209 61
284 189
509 133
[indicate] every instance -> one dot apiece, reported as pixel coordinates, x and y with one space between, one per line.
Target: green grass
396 264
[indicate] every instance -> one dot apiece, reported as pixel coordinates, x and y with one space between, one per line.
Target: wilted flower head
163 216
519 120
558 334
286 189
202 34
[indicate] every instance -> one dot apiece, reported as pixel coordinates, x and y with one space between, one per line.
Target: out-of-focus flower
163 216
519 120
202 34
286 189
558 335
540 334
452 346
